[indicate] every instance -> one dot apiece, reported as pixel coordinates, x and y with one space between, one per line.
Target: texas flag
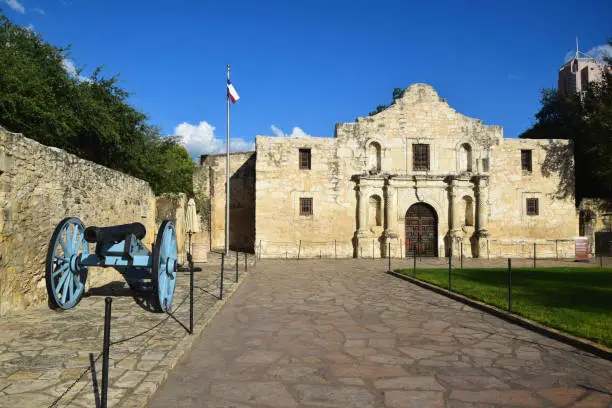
231 92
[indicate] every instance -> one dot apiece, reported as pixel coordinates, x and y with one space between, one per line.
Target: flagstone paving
46 356
324 333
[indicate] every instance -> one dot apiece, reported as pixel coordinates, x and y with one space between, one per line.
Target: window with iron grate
306 206
533 207
526 160
420 157
304 159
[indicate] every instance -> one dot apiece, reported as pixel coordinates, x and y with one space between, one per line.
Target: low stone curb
579 343
183 347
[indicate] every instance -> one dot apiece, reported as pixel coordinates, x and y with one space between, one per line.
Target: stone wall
279 186
39 186
510 187
209 186
597 225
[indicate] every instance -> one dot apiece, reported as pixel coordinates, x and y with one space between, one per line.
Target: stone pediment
415 95
420 114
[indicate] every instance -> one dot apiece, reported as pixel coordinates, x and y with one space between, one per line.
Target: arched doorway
421 230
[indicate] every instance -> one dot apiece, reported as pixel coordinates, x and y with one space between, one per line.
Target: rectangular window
526 160
305 206
533 207
304 159
420 157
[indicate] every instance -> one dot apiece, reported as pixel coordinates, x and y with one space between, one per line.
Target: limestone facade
418 175
209 186
595 223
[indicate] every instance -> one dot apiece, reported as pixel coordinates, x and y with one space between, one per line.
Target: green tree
586 121
88 117
397 93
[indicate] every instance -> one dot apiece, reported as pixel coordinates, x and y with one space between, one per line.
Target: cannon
120 247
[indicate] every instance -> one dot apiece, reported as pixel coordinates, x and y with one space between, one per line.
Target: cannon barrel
114 233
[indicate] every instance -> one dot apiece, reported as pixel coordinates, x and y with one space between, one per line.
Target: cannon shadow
144 298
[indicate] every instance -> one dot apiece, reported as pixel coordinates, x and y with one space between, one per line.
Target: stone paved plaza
46 356
323 333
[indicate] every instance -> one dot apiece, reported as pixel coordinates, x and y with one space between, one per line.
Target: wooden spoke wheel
165 264
64 276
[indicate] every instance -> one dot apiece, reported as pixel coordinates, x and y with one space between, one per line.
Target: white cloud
71 69
598 52
513 76
38 10
15 5
200 139
277 131
30 27
296 132
240 145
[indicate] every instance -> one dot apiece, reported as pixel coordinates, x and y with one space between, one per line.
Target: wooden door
421 230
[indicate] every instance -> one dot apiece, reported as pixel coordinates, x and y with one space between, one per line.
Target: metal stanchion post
335 250
450 260
372 248
246 266
461 255
190 297
389 256
106 350
190 260
237 266
509 285
414 254
221 284
299 249
534 255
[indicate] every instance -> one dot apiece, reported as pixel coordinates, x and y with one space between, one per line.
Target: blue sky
311 64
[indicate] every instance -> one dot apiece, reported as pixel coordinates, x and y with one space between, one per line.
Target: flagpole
227 168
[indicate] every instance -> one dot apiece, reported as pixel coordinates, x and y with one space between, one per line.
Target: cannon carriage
121 247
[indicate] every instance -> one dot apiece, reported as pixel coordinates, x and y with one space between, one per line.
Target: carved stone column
362 210
454 235
363 193
483 215
391 232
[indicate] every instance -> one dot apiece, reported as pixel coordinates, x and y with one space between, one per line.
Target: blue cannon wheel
64 277
165 264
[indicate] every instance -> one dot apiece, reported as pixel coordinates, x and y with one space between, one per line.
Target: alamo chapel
418 175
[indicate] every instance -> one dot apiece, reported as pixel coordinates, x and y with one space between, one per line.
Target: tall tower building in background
575 74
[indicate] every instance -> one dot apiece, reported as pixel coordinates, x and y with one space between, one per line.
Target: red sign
582 249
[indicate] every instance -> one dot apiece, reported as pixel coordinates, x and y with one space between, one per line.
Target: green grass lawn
575 300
